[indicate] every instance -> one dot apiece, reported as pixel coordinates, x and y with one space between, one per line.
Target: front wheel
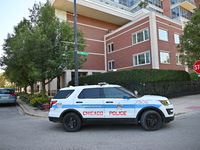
71 122
151 120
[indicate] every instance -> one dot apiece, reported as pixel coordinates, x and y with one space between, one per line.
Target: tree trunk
43 88
25 89
32 88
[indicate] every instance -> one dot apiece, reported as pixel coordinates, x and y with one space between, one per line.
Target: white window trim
175 38
135 33
110 61
109 48
179 63
167 34
169 57
145 58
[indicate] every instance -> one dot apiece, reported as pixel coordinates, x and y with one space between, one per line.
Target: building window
111 65
110 48
175 12
141 59
163 34
140 36
165 57
177 38
179 60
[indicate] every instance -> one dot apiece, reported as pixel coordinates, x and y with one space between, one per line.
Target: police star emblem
119 106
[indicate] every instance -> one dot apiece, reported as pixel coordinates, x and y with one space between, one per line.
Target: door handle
79 102
109 101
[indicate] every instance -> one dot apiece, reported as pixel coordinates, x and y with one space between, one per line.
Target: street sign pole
75 46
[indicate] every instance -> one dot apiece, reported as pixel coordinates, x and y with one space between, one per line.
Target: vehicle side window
63 94
114 93
90 93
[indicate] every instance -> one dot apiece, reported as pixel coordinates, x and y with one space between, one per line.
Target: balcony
187 4
105 10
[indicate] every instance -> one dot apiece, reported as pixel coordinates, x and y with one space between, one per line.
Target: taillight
52 102
13 94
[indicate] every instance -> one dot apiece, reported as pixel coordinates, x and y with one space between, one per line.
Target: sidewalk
182 105
32 111
186 104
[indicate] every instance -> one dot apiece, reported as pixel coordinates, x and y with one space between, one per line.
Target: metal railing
181 1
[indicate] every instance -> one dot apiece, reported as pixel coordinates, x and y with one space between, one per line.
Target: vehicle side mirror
126 97
136 93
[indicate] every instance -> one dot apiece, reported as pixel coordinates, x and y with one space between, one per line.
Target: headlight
165 102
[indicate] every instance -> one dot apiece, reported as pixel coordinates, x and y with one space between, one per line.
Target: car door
117 104
90 103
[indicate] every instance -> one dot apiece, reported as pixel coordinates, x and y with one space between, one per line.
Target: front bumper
168 119
54 119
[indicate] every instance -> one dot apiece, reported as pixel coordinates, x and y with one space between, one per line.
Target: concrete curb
29 113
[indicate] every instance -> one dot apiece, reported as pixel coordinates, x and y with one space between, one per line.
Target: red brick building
124 34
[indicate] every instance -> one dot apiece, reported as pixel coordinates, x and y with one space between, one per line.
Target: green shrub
135 76
194 76
40 100
32 99
24 97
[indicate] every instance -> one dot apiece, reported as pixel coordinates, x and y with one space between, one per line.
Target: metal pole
75 46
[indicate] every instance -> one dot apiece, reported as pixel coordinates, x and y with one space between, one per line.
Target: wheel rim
71 122
152 120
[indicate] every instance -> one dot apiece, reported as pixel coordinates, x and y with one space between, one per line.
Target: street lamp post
75 46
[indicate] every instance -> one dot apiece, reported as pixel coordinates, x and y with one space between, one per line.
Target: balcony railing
157 3
181 1
113 4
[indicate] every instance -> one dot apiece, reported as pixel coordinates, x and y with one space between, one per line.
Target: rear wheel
151 120
71 122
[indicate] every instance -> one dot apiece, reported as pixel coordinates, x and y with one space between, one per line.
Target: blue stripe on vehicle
107 106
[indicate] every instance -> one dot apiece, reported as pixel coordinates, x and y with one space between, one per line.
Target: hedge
135 76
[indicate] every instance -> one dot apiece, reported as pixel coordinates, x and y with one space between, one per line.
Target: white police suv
104 103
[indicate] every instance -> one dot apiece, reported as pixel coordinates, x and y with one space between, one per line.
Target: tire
71 122
151 120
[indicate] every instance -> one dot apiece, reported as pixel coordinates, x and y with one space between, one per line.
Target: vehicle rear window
63 94
7 91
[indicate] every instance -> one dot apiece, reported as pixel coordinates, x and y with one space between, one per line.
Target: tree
17 58
190 40
51 44
40 49
2 80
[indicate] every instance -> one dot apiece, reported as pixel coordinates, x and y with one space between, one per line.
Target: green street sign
82 53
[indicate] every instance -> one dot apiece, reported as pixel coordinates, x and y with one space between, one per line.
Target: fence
167 89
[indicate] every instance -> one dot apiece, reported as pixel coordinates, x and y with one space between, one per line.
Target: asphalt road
22 132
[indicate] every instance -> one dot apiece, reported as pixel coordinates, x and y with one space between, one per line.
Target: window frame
145 58
176 38
111 65
144 36
163 61
179 60
163 34
110 47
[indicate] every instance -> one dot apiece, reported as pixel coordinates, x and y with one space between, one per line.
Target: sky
11 13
